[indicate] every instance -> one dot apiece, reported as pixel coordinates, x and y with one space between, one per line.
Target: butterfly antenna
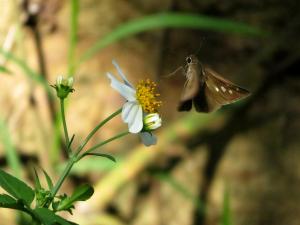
203 39
174 72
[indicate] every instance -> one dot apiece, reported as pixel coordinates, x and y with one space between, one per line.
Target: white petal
127 107
59 80
70 81
131 112
121 73
148 139
125 90
135 119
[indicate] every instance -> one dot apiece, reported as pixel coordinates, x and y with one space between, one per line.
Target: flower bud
152 121
63 86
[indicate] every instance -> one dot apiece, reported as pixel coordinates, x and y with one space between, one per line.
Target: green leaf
26 69
49 181
47 217
91 164
180 188
226 215
10 151
7 201
101 155
4 70
170 20
81 193
37 183
16 187
73 35
71 141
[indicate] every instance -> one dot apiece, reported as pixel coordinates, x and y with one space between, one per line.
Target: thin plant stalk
63 176
73 39
11 154
106 142
75 157
62 108
102 123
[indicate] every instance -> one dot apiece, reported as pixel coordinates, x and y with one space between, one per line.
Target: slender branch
38 41
63 176
91 134
74 158
62 108
40 51
104 143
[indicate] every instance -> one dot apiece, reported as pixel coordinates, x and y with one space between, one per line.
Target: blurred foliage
181 189
26 69
170 20
226 214
10 151
73 39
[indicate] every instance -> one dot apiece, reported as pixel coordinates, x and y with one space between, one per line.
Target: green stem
62 107
32 213
106 142
73 39
62 178
75 157
34 222
91 134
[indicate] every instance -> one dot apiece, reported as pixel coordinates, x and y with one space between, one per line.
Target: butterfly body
207 90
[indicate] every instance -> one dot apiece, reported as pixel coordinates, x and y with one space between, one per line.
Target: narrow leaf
101 155
170 20
4 70
226 215
81 193
16 187
73 35
180 188
26 69
91 164
10 151
37 182
47 217
49 181
7 201
71 141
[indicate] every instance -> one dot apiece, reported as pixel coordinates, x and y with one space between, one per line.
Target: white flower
140 102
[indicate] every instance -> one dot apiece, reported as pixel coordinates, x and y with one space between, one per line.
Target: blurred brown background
250 149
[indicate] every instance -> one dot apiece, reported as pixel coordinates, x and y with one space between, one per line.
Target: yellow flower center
145 94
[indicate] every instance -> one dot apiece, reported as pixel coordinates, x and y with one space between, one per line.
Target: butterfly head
191 59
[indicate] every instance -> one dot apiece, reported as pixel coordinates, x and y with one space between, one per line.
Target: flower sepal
63 86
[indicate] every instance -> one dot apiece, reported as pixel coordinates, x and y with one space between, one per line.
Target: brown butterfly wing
223 91
185 105
204 101
216 92
190 90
